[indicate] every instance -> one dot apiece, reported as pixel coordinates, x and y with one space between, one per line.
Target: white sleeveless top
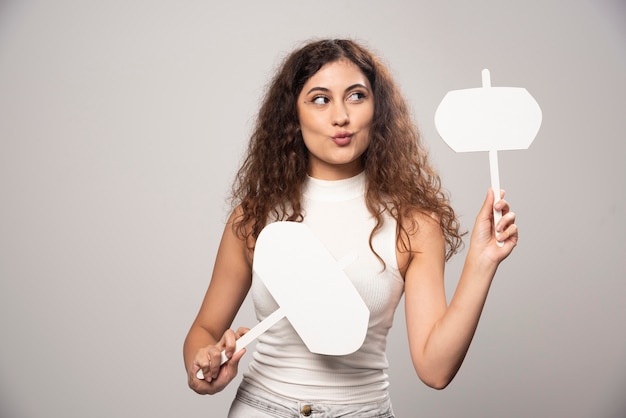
281 364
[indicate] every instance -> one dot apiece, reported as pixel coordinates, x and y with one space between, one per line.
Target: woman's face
335 111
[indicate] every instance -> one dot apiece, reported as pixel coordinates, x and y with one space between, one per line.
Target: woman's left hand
483 237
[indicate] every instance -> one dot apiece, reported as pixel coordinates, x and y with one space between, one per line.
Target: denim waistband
252 401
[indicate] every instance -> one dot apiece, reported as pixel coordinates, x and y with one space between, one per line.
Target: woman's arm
440 335
209 334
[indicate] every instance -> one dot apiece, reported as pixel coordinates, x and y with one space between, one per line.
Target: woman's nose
340 116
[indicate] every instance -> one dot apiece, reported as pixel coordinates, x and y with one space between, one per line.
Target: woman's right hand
208 359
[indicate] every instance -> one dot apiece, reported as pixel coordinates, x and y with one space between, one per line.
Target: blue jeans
252 402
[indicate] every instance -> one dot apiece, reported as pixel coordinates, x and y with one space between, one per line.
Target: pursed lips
342 138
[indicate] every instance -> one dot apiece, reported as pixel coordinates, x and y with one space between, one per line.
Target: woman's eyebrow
357 85
325 90
322 89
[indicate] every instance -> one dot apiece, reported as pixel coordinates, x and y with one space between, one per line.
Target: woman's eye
356 96
320 100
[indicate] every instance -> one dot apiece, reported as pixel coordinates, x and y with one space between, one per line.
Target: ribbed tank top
281 364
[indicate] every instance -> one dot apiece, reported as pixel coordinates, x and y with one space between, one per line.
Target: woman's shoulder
423 229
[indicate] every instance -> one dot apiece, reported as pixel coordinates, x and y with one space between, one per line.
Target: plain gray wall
121 125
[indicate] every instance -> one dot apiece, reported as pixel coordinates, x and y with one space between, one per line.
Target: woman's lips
342 139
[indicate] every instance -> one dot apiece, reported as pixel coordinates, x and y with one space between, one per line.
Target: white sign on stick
488 119
291 261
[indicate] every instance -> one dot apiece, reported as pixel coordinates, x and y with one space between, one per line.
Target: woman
334 147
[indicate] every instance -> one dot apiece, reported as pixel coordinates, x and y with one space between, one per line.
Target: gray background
121 125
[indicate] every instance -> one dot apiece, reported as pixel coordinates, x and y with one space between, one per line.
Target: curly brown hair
400 180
